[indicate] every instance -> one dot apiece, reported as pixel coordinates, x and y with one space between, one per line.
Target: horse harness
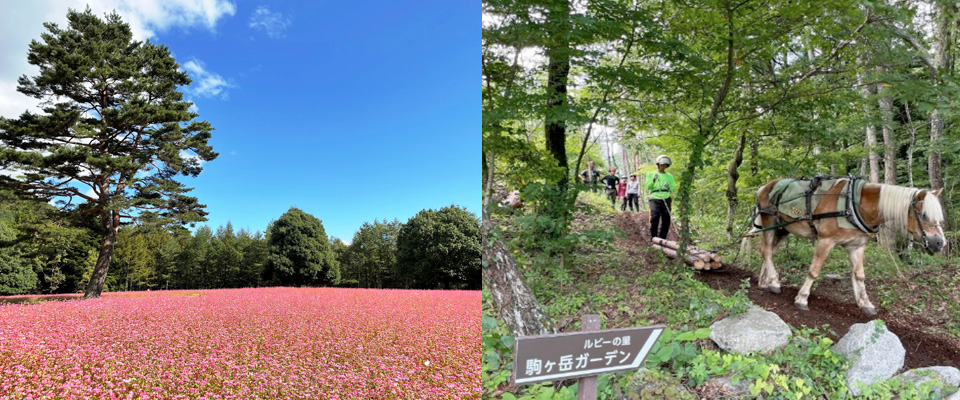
851 213
916 214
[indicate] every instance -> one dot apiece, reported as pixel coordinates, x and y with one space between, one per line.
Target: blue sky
351 111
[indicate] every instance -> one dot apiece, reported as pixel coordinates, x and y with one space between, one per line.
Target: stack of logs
699 259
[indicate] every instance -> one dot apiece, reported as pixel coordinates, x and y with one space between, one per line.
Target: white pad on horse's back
789 196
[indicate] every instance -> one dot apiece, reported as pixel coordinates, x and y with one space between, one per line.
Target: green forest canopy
43 253
737 92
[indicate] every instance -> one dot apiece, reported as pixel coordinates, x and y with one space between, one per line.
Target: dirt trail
828 305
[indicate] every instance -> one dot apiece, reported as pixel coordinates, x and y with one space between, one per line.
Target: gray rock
946 379
955 396
875 354
756 330
726 387
948 375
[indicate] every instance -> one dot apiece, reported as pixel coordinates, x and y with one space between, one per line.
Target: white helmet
662 159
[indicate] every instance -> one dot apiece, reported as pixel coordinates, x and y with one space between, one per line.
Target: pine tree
115 132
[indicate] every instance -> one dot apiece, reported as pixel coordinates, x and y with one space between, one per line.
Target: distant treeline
44 252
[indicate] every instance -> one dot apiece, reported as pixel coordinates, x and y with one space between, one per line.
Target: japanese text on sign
569 355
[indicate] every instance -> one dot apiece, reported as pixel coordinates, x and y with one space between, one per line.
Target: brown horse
916 211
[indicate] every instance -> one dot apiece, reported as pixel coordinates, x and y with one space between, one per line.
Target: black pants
633 200
660 217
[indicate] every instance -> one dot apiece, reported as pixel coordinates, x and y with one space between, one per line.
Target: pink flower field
269 343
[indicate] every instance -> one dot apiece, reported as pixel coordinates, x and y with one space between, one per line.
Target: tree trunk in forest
888 237
889 144
933 158
111 224
733 176
515 302
942 60
871 139
706 131
912 144
626 160
558 69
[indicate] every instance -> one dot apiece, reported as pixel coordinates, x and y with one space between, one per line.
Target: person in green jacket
660 184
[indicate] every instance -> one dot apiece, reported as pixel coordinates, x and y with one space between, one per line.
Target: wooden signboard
580 354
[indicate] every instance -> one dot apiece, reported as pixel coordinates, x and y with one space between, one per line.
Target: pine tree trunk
98 278
733 176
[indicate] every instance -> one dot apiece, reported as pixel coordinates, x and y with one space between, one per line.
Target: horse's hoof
772 289
869 311
801 306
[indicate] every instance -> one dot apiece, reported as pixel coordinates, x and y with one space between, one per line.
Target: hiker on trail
611 181
633 193
622 193
660 184
590 176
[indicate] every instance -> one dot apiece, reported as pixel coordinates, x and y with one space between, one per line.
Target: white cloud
14 103
273 23
205 83
13 172
22 21
190 156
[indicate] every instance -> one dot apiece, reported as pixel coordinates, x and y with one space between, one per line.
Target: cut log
697 263
666 243
704 255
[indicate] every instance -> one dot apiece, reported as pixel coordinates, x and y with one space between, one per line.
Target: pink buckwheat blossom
268 343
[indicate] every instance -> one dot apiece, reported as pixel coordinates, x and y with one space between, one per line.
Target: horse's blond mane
932 208
895 202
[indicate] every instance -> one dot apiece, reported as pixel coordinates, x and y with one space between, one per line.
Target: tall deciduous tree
116 131
943 60
300 253
440 249
558 69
